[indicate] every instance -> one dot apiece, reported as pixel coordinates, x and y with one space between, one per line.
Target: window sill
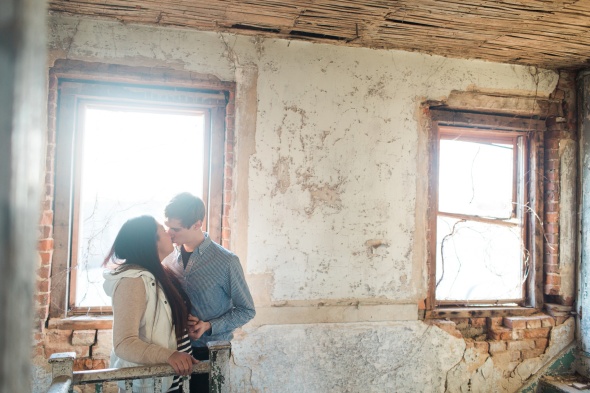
482 312
81 323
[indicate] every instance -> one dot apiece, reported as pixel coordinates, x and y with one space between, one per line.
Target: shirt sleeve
129 306
243 305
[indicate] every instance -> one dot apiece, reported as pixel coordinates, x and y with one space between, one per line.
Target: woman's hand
182 363
196 327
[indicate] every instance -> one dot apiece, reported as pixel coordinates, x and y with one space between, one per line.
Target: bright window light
133 163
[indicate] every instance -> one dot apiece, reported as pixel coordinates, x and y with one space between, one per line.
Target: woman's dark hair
136 244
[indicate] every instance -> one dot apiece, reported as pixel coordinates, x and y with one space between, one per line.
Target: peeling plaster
331 166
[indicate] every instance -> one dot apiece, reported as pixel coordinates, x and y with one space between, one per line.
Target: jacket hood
113 277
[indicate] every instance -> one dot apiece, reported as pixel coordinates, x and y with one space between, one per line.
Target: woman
149 306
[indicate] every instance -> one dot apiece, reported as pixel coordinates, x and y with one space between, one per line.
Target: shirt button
165 302
153 284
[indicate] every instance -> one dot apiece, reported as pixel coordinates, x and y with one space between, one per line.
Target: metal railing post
219 354
62 371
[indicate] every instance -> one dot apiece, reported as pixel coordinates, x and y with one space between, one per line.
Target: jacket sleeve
129 306
243 305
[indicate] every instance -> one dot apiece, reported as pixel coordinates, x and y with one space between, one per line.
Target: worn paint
329 202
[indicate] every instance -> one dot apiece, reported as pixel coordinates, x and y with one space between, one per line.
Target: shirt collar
201 249
203 246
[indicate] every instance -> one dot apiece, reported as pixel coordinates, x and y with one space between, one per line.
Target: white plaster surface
393 357
333 202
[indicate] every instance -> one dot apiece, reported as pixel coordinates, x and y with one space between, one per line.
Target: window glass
478 261
476 178
480 243
132 162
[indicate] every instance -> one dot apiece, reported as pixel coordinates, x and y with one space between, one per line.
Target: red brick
46 232
42 286
494 321
104 344
461 323
514 356
84 364
533 324
447 326
551 259
551 206
515 322
482 346
551 290
552 164
547 321
552 279
560 320
500 333
532 353
83 337
551 248
497 346
520 345
550 186
477 322
537 333
551 144
551 228
42 299
43 272
227 198
552 217
46 245
551 268
551 238
552 175
518 334
541 343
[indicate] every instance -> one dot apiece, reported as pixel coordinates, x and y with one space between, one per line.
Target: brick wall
508 340
561 127
93 344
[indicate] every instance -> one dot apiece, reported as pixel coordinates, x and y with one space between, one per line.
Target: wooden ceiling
543 33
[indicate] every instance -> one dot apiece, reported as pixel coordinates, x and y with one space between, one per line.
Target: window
484 209
123 150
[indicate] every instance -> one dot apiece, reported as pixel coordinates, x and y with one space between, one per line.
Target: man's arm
243 310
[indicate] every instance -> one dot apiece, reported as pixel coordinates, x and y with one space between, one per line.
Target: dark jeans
200 382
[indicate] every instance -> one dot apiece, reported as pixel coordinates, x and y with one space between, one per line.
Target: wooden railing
64 378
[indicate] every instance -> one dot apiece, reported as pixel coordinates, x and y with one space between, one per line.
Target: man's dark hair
187 208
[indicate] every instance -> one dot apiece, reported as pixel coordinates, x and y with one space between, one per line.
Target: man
211 276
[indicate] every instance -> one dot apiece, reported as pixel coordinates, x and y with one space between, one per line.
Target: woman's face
164 243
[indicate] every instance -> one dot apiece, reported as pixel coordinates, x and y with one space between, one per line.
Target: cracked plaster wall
329 205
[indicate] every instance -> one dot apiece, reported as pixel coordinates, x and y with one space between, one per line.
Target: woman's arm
129 305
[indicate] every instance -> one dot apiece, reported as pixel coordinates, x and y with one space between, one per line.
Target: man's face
178 233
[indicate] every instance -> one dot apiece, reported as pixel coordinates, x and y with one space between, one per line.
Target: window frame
441 121
130 87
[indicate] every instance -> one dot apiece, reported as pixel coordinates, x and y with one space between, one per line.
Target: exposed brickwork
93 346
561 125
509 340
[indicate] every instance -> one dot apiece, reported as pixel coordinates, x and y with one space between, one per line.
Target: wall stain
281 171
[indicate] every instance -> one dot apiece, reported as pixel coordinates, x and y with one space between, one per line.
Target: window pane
476 178
479 261
132 164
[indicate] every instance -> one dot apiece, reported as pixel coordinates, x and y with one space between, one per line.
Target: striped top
214 281
184 345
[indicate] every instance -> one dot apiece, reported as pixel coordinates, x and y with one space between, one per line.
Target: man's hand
196 327
182 363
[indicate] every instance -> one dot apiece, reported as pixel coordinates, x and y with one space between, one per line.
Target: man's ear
198 224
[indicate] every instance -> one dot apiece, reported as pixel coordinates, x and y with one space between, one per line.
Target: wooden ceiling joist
546 34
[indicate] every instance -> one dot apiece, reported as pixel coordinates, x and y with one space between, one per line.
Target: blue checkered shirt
214 281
